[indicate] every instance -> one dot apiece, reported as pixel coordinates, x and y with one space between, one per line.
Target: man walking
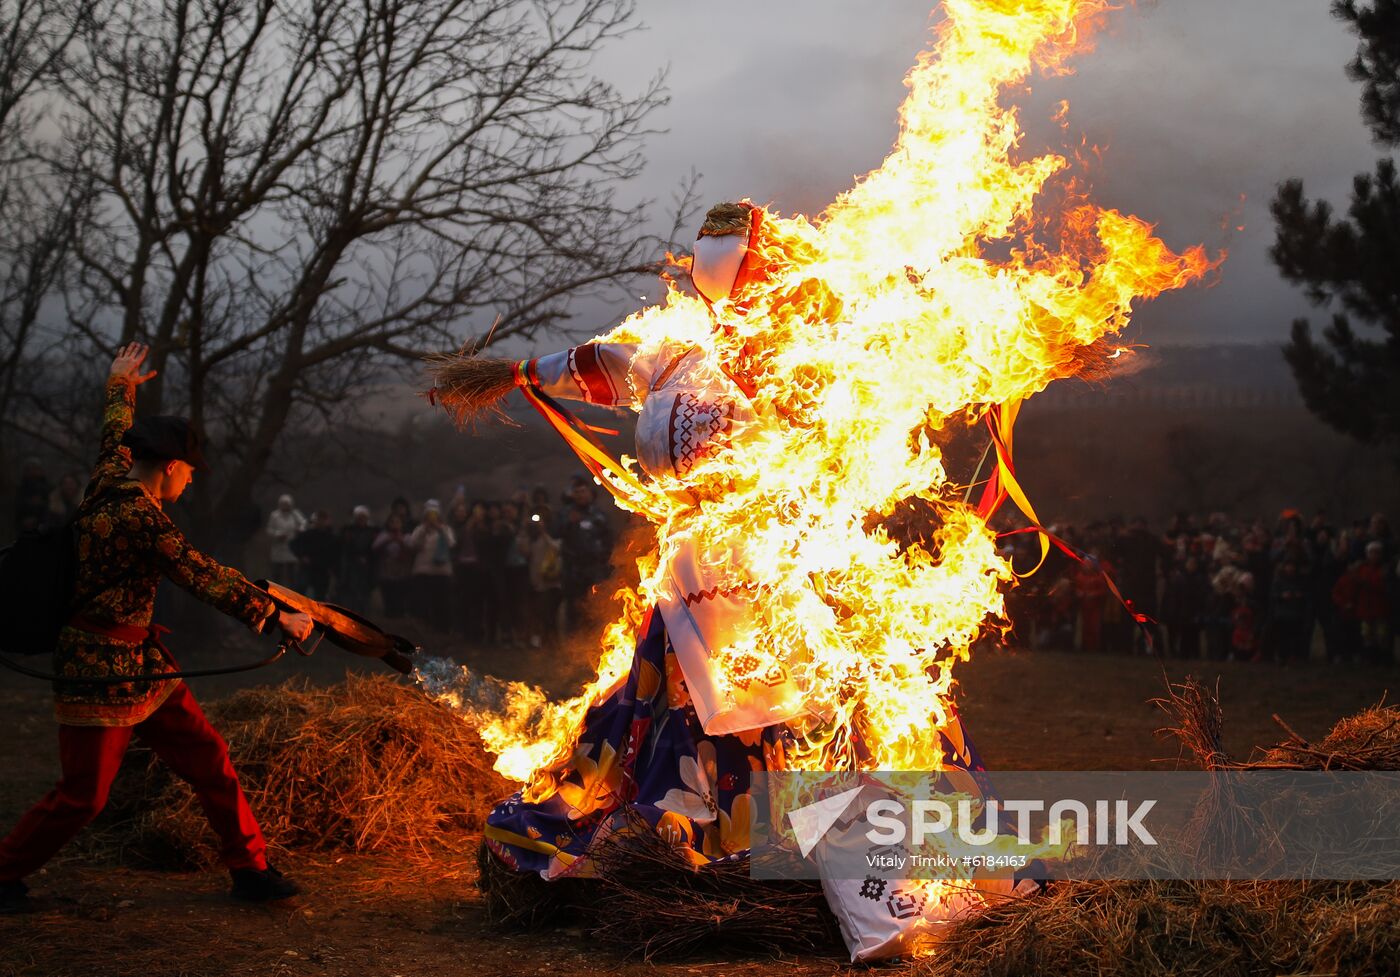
126 543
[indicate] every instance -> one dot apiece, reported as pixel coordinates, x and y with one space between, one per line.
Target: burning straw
366 765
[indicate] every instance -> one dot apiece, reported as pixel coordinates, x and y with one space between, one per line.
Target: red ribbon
1142 620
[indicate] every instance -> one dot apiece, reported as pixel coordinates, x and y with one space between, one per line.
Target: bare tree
38 209
290 194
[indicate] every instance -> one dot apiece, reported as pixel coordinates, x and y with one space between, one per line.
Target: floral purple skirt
643 747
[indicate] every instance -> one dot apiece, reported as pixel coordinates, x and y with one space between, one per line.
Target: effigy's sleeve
607 374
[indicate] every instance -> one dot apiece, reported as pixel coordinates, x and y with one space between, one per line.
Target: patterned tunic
126 543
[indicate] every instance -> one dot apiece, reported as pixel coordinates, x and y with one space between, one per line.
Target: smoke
468 692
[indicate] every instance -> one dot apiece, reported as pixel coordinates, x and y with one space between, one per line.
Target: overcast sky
1196 101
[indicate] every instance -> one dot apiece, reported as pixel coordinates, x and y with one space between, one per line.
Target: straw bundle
365 765
470 387
522 900
1369 740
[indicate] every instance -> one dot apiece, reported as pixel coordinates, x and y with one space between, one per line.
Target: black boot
267 885
14 898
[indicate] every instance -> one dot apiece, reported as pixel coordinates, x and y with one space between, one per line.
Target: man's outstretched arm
114 458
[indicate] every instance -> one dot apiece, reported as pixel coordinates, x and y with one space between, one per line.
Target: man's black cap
166 438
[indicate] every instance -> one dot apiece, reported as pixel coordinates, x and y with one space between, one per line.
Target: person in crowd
1184 603
493 544
64 500
586 540
1091 589
1362 597
1220 616
317 549
393 564
283 525
32 498
128 544
1138 555
539 502
515 594
1289 634
355 576
431 544
1378 531
1325 567
546 578
400 507
469 584
1244 636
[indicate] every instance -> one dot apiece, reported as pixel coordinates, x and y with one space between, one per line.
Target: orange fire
960 274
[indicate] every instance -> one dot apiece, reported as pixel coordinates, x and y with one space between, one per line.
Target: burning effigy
790 390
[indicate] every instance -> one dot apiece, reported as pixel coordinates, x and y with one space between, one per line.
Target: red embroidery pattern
694 426
694 598
587 371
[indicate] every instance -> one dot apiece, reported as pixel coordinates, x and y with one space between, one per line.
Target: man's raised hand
127 365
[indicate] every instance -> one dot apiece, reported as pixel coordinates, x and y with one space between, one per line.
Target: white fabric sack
882 918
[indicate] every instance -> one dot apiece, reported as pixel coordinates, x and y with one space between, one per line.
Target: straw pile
1203 928
651 902
1181 929
1369 740
647 900
365 765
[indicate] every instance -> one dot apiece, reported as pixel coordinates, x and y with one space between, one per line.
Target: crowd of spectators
504 572
40 503
520 570
1216 588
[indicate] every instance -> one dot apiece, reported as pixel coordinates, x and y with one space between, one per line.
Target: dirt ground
373 916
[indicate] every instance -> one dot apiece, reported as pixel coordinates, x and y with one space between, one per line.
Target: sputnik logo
811 823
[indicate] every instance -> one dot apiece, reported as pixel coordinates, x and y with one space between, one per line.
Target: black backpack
38 580
38 573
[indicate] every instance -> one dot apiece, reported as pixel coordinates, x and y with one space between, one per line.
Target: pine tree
1350 266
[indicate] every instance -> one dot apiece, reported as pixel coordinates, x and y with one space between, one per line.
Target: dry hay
1181 929
1203 928
646 899
522 900
364 765
1369 740
651 901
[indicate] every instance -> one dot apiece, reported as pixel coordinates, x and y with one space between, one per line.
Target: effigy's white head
725 242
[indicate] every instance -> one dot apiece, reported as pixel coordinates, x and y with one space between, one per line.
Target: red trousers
90 755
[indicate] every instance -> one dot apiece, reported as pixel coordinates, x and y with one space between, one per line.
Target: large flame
954 277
